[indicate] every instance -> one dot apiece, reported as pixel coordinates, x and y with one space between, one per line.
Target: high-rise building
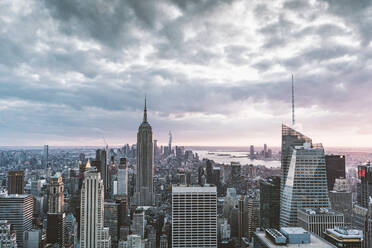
56 229
304 179
209 171
7 235
16 182
123 177
92 233
170 143
341 198
241 219
18 211
216 176
145 164
46 156
365 187
252 213
270 203
163 241
251 152
55 195
318 220
102 167
335 166
265 151
71 233
235 174
112 219
138 226
194 216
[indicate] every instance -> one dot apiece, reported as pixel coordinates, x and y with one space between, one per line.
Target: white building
92 233
194 215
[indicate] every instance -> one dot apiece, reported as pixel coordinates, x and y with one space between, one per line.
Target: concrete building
18 211
123 177
194 216
55 194
318 220
145 164
112 219
33 238
138 224
16 182
341 198
304 179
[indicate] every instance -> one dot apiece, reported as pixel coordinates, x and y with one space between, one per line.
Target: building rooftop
320 211
344 233
14 195
193 188
293 230
316 242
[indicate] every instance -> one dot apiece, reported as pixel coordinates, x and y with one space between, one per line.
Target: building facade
270 203
16 182
335 166
194 215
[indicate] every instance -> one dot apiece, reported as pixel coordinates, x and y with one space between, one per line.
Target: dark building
209 172
200 174
270 203
16 182
335 167
216 176
56 229
102 167
365 187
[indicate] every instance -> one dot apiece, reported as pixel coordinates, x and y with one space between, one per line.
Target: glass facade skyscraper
304 178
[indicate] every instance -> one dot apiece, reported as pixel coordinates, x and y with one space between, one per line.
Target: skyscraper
209 171
304 179
101 162
123 177
335 165
365 187
56 217
17 209
16 182
145 163
251 152
92 233
194 215
270 203
45 156
170 142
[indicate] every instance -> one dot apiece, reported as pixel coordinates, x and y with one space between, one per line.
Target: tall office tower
163 241
55 195
170 142
200 174
235 174
111 219
194 215
7 235
226 173
335 166
16 182
241 218
156 151
270 203
252 208
209 171
46 156
17 209
71 233
304 179
365 187
102 166
216 176
92 211
265 150
138 226
318 220
56 218
123 177
341 198
251 152
145 164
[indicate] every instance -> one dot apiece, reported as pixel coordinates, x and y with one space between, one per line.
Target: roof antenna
293 105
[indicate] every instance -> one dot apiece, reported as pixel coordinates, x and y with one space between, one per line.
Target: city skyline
72 73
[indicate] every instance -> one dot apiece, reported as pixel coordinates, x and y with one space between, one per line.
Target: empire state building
145 163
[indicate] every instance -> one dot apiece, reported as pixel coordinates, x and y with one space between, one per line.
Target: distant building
251 152
335 166
102 167
318 220
341 199
291 237
270 203
112 219
55 195
194 216
18 211
16 182
45 156
344 238
304 179
235 174
209 171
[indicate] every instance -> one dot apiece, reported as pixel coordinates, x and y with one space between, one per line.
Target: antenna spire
145 112
293 104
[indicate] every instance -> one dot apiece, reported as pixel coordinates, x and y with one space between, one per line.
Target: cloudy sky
215 72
